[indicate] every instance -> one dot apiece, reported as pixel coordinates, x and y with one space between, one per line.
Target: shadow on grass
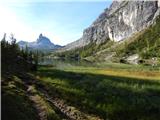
15 103
112 97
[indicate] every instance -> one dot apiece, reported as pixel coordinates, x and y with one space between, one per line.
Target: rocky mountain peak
43 40
118 22
43 43
40 35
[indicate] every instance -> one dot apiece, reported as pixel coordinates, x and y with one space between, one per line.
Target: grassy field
19 104
114 92
15 103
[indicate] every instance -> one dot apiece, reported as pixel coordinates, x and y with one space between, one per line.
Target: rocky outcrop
119 21
42 43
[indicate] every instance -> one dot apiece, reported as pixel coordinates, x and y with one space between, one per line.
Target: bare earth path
36 99
71 112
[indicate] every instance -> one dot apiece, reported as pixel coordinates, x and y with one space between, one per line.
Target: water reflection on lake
65 63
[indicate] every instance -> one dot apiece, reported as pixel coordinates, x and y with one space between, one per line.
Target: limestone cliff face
130 17
119 22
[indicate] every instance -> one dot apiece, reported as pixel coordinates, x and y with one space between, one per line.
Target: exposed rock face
119 22
131 17
43 40
42 43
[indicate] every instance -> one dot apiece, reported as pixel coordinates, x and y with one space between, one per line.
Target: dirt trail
35 98
71 113
40 103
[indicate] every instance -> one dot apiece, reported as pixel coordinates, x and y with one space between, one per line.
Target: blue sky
62 22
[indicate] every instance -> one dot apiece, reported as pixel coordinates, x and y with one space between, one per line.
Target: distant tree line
14 59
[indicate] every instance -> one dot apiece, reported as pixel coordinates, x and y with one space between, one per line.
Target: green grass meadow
115 93
15 103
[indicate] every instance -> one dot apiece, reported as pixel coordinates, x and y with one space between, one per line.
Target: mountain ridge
140 36
118 22
42 43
